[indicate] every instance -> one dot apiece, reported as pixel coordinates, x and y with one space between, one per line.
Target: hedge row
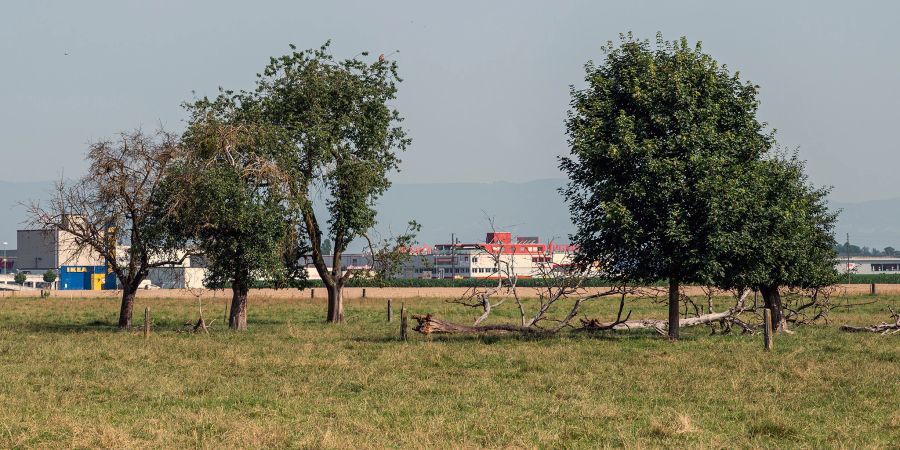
423 283
879 278
535 282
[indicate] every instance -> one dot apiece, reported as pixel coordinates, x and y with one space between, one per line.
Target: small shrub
49 276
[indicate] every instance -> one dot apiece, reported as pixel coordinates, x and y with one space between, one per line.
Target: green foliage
782 232
342 134
855 250
244 232
877 278
49 276
230 192
660 139
20 278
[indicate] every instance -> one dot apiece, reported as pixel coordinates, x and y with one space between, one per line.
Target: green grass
68 379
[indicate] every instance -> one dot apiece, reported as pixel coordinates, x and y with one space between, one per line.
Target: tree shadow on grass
65 328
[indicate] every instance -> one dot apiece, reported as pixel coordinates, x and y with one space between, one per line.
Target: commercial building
349 261
868 265
527 257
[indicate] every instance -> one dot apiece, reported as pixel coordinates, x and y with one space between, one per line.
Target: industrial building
868 265
526 257
186 275
349 261
40 250
54 249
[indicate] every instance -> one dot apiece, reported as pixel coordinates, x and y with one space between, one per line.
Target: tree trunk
335 303
772 299
127 308
237 320
674 303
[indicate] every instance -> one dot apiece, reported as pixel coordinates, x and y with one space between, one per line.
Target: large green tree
344 137
659 137
782 234
232 200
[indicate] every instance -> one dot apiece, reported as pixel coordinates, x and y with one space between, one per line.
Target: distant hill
533 208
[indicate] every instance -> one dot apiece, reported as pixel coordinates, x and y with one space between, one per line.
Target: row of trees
673 176
848 249
261 182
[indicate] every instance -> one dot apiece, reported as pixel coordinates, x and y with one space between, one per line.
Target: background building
527 257
868 265
40 250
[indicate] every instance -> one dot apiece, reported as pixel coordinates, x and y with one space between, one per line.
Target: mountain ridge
532 208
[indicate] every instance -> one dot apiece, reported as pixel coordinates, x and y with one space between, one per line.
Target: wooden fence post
402 322
767 331
146 322
390 311
364 293
872 289
312 293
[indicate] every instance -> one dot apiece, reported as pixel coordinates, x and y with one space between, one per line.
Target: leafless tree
114 211
559 287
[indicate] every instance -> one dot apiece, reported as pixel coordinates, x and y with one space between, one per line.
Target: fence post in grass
146 322
402 322
767 330
364 293
390 311
872 289
312 293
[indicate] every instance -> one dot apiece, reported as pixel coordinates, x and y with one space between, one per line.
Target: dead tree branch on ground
883 328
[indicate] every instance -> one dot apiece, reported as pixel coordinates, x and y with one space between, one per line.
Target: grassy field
68 379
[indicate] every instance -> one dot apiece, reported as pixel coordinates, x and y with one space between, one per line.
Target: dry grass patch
68 379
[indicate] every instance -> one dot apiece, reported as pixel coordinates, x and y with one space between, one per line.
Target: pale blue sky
486 83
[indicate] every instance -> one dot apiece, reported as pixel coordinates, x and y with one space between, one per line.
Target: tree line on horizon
671 177
848 249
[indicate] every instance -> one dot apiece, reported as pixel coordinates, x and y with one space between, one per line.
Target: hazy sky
486 83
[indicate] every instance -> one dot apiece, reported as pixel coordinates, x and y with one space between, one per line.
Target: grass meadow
69 379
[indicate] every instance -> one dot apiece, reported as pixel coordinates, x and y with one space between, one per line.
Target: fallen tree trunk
428 324
661 326
883 327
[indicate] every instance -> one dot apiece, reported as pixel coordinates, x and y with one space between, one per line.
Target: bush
877 278
20 278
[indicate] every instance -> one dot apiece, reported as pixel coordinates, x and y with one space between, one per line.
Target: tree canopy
231 191
660 138
344 138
